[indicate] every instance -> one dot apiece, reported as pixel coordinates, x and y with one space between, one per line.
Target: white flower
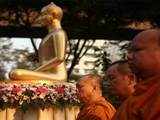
5 98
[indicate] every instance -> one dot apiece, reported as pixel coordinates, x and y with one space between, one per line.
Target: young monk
121 80
144 59
95 107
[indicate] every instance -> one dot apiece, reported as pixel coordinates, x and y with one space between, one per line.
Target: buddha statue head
49 13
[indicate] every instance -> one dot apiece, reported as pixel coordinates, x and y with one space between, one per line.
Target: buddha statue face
50 13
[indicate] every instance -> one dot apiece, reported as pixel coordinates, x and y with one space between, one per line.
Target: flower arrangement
37 96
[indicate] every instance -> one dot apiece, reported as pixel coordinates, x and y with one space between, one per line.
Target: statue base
68 113
29 93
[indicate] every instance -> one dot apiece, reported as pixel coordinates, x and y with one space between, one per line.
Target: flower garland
37 96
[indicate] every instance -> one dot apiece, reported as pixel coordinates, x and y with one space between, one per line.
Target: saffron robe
144 104
99 110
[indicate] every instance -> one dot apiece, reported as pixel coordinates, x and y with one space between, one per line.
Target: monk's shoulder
106 106
89 113
103 112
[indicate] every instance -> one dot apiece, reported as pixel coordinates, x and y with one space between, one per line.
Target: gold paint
76 111
46 114
51 51
31 114
52 113
3 115
59 114
13 114
70 113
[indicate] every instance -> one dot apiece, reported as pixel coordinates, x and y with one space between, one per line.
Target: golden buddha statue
51 51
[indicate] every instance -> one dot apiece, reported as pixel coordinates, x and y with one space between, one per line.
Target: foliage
5 56
25 59
37 96
2 72
78 48
105 53
4 47
93 16
13 57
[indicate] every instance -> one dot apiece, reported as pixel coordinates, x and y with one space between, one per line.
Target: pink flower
18 95
41 90
16 89
60 90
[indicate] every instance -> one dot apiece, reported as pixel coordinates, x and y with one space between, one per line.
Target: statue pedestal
20 95
46 114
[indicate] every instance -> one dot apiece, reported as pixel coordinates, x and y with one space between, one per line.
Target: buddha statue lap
51 51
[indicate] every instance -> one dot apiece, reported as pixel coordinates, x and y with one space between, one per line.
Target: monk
95 107
144 59
121 80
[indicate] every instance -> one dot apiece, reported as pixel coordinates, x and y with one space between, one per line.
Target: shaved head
94 80
144 58
89 88
149 37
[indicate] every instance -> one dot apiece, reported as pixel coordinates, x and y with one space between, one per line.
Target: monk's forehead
146 38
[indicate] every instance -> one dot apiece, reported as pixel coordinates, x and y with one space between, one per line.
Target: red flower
16 89
41 90
60 90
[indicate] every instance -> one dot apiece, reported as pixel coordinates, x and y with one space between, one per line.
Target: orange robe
144 104
100 110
